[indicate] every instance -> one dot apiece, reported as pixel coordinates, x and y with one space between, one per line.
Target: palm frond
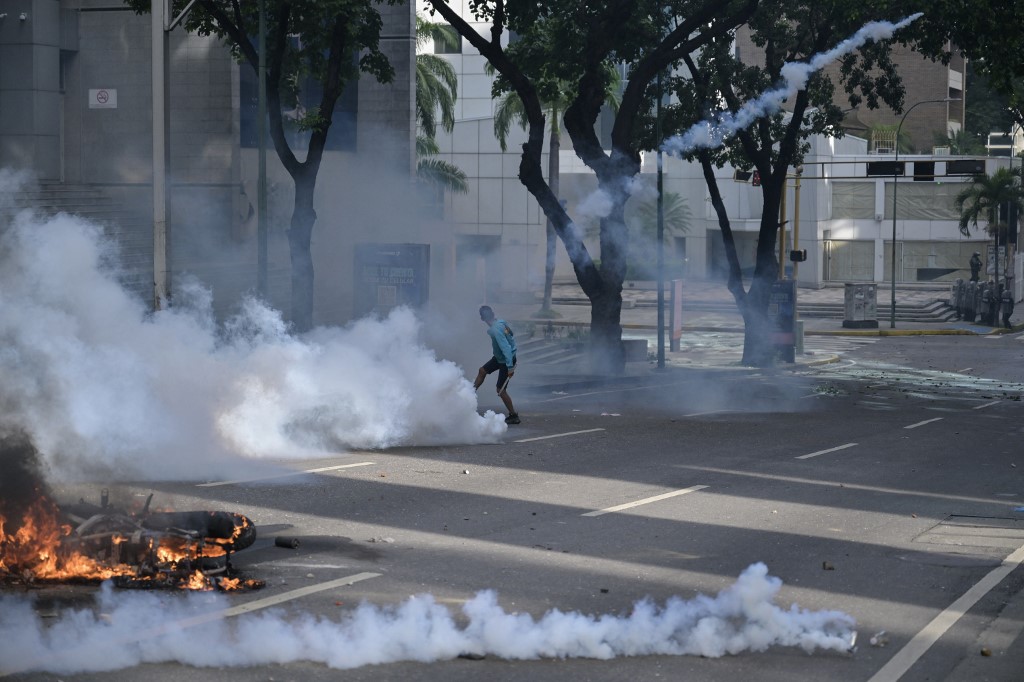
436 89
426 146
983 198
441 34
443 174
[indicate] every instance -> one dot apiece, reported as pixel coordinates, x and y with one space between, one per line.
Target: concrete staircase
937 311
541 351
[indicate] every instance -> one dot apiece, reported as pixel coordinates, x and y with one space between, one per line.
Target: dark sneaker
512 419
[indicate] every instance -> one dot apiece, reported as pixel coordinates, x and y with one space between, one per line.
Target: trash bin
861 309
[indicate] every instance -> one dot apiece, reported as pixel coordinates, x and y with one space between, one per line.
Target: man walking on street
503 344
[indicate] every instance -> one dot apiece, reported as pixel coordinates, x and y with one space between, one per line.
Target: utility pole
661 235
261 182
782 229
161 26
160 15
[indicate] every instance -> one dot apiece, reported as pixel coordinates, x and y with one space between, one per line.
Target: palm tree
984 198
436 91
960 143
510 109
643 220
437 172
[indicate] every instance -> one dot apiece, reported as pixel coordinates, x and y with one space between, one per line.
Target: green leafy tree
572 41
437 88
305 38
987 32
785 32
987 112
510 109
960 143
986 198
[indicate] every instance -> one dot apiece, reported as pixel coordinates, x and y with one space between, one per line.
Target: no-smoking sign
103 98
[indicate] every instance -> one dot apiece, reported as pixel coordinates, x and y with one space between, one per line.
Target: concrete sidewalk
712 328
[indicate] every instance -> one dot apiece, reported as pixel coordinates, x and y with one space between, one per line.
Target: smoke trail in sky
712 134
99 384
136 628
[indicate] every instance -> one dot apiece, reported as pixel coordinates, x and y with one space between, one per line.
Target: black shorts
493 365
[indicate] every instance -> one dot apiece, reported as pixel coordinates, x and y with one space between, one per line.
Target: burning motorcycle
86 543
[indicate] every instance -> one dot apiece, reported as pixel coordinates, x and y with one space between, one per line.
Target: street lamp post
261 140
895 185
660 236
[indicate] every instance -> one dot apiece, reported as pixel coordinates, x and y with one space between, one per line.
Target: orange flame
197 581
35 550
43 548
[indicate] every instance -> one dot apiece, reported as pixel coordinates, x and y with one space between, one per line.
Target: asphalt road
886 485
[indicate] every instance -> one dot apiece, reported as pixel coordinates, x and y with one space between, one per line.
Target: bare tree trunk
299 240
735 283
608 353
758 334
758 344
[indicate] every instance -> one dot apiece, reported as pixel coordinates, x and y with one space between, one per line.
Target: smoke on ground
101 385
128 629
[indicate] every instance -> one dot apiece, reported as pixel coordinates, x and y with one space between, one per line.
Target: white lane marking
965 369
837 484
288 564
556 435
174 626
646 500
284 475
981 407
823 452
923 640
926 421
280 598
701 414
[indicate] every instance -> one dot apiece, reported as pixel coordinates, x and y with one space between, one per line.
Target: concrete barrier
635 349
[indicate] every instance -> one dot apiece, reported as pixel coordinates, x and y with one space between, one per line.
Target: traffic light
755 179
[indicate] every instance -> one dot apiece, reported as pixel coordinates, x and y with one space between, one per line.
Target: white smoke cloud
712 134
99 383
135 628
596 205
639 188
